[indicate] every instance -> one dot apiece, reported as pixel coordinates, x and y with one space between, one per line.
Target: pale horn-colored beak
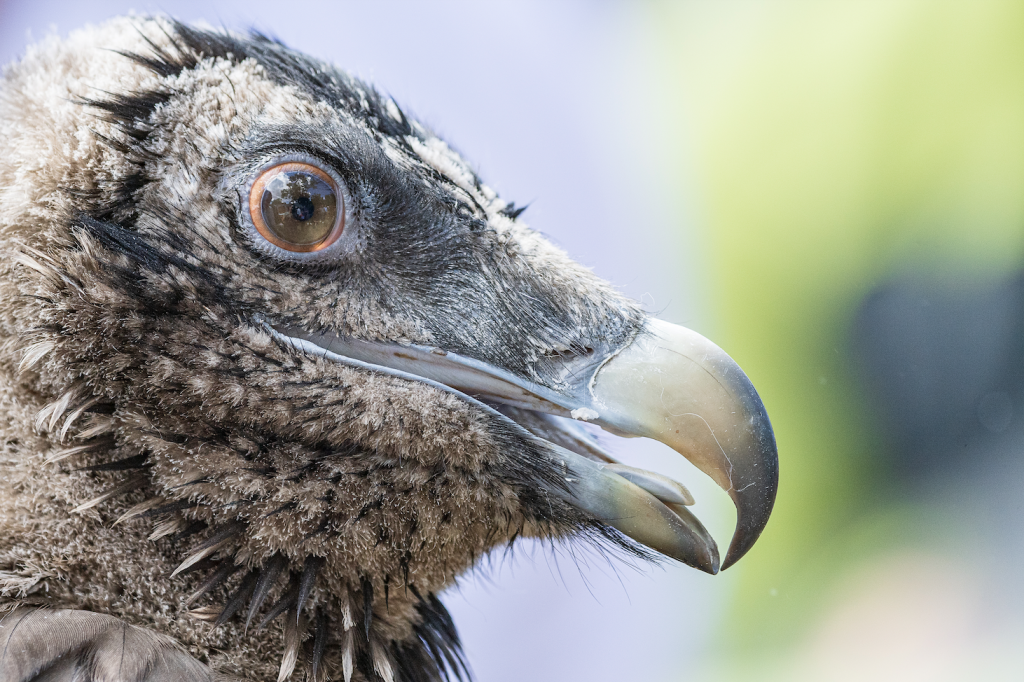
673 385
669 383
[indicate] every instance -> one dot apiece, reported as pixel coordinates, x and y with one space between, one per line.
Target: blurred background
833 192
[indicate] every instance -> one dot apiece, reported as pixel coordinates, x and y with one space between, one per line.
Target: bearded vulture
276 367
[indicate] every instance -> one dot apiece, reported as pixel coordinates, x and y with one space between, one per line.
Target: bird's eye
297 207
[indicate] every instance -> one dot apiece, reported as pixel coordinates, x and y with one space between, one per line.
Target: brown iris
297 207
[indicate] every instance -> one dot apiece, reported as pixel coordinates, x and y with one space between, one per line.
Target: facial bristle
213 544
268 576
238 599
367 607
286 602
309 573
135 462
319 643
227 568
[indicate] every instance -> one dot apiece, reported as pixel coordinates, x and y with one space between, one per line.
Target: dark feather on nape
136 462
437 623
227 569
240 596
186 484
187 47
127 111
161 61
268 577
287 506
309 573
415 664
282 65
319 643
158 254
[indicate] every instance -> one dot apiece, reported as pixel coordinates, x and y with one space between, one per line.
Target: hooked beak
673 385
669 383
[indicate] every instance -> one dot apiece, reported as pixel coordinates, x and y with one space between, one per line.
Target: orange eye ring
297 207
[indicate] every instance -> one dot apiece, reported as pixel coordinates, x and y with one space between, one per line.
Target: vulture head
277 366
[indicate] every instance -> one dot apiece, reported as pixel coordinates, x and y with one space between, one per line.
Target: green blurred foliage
832 144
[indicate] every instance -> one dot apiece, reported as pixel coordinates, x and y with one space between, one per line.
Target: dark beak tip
732 557
711 563
753 512
708 563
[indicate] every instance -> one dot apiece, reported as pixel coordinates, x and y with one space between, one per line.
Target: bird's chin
668 383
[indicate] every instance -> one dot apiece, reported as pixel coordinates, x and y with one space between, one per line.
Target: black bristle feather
284 507
227 568
190 530
513 211
268 576
177 505
364 664
367 606
435 653
319 643
241 595
309 573
286 601
233 528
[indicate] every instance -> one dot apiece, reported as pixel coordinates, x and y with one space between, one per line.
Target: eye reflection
297 207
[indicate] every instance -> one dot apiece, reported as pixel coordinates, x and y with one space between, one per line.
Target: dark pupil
302 209
299 207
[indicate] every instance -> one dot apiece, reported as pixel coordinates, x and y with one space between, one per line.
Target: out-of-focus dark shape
944 367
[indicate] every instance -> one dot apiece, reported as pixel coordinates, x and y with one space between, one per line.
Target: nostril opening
572 352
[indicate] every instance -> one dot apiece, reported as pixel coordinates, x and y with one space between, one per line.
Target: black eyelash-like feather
268 576
238 599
